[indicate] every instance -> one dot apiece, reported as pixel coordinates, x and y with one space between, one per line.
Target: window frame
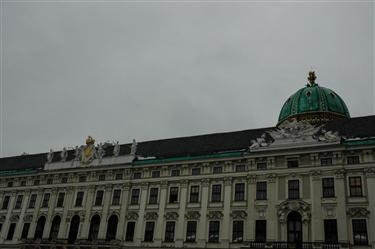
191 231
153 197
261 191
99 198
169 235
295 189
175 194
213 234
80 203
363 231
45 200
239 194
134 197
354 189
149 231
327 189
237 233
194 194
116 197
216 192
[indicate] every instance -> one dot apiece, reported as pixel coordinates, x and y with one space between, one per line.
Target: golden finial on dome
311 78
90 140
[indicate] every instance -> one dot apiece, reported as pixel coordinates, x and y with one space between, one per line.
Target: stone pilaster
19 227
123 209
5 228
89 204
226 224
138 233
181 214
250 222
65 224
201 234
51 207
271 214
38 202
340 188
316 207
159 228
370 178
104 218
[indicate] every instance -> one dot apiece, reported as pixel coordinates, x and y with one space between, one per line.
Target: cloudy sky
158 69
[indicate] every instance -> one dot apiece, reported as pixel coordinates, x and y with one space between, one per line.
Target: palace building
308 182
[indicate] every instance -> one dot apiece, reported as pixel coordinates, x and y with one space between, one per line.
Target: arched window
112 227
40 227
73 231
94 227
55 228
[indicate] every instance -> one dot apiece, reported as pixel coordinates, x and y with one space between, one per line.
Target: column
272 219
84 234
38 202
370 177
340 188
180 236
103 221
202 224
159 231
65 221
52 203
19 227
316 208
250 222
226 224
138 233
5 228
120 235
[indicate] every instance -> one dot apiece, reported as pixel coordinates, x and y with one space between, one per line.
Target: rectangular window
260 230
352 160
175 172
155 174
191 231
116 197
194 194
32 201
328 187
261 166
169 231
134 197
130 231
25 230
36 182
79 199
49 181
213 231
82 179
195 171
330 231
10 184
18 202
118 177
45 201
239 192
293 189
261 191
137 175
98 198
355 186
292 163
101 177
64 180
23 183
60 199
153 196
326 161
237 235
149 231
173 195
216 193
217 170
5 202
240 168
12 227
360 232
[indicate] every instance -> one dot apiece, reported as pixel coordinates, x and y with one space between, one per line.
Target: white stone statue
259 142
50 156
133 148
64 154
77 153
100 152
329 136
116 149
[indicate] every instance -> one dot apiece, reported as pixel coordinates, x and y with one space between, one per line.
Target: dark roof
197 145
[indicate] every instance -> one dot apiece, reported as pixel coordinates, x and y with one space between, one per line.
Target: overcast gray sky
154 70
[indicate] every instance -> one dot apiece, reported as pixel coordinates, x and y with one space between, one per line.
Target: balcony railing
288 245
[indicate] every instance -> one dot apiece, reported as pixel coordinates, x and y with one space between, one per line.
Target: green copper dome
314 103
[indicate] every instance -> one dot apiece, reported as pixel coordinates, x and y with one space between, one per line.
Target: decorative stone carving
251 178
316 175
261 210
77 154
64 154
132 216
192 215
370 172
50 156
259 142
272 178
238 214
330 210
133 148
100 152
151 216
2 218
359 212
116 149
14 218
171 215
294 205
294 130
184 183
205 182
228 181
88 151
340 174
328 136
215 215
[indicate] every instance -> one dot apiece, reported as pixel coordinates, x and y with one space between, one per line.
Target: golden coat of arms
88 151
